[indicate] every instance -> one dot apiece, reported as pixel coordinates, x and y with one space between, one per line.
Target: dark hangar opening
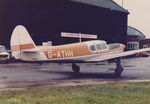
46 19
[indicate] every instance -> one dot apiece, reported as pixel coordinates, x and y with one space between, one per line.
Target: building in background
46 19
134 38
145 43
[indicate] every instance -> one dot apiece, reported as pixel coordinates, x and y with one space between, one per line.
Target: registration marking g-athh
60 54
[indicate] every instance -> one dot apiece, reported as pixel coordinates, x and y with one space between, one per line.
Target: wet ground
30 75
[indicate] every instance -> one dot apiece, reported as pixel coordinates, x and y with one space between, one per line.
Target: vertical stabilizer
20 40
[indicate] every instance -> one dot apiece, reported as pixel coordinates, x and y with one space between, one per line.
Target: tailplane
21 41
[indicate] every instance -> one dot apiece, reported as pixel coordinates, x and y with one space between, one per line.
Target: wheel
118 70
13 59
75 68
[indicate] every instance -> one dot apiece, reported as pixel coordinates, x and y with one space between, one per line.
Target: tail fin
20 40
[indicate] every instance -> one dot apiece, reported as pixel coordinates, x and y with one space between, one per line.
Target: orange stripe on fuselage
66 51
22 47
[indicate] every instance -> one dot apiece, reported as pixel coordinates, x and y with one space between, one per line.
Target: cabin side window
98 46
101 46
104 46
92 48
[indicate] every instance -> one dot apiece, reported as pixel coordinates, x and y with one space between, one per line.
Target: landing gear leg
119 68
75 68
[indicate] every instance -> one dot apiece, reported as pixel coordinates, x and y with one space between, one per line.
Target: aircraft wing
116 55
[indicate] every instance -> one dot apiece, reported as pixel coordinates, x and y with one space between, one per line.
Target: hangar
46 19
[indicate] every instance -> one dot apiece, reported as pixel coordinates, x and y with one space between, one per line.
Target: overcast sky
139 16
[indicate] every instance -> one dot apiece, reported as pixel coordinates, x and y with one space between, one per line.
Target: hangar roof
134 32
109 4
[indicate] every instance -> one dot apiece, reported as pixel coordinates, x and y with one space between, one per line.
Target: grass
137 93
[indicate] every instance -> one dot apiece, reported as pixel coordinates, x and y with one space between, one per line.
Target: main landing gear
75 68
118 71
119 68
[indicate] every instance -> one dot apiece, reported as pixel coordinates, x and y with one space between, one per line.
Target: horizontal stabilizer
27 51
34 51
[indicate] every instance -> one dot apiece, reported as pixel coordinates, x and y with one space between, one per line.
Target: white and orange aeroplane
23 48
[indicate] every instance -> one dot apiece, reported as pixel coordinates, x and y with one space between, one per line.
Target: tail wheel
75 68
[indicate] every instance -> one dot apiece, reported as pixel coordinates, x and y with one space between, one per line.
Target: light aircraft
23 48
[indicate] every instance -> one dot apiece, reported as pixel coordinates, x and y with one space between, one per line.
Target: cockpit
97 45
